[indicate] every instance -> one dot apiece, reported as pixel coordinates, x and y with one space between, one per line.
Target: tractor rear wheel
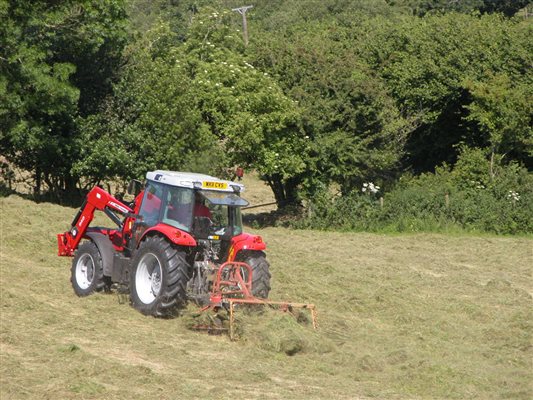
87 272
260 272
158 279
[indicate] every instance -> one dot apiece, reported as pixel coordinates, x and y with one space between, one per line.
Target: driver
200 209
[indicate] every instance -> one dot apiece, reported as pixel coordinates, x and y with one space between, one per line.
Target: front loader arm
97 199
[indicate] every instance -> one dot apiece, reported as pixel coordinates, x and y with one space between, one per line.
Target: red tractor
175 242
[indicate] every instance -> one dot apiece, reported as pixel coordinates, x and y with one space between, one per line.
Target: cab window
224 218
179 207
151 204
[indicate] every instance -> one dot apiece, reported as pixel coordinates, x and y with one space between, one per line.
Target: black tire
260 272
158 279
87 272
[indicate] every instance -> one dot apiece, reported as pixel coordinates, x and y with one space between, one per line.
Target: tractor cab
207 208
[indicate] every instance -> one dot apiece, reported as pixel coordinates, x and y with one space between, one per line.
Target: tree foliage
194 104
427 67
55 63
423 7
506 126
329 93
245 108
150 122
356 129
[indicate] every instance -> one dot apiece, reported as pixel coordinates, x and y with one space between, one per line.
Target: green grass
423 316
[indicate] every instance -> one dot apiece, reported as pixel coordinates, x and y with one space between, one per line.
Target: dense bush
474 196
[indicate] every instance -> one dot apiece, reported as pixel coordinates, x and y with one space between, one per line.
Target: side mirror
134 187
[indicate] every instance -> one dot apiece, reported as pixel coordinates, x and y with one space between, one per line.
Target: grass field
401 317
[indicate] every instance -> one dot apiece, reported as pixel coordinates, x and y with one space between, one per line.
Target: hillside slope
401 317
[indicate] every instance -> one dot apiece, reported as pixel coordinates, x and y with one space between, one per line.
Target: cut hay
281 332
263 327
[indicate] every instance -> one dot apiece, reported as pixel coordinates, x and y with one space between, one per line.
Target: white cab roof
194 181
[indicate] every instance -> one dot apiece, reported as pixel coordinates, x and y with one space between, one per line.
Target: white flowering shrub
465 198
513 196
370 188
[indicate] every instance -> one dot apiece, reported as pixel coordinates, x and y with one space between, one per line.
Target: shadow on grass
69 199
282 217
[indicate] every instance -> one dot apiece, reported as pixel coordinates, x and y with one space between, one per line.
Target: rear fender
174 235
245 241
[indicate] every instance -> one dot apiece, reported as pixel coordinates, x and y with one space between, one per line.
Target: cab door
151 209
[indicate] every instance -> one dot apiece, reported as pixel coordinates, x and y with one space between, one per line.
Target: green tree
244 108
195 104
422 7
507 125
355 129
425 67
56 59
506 7
151 121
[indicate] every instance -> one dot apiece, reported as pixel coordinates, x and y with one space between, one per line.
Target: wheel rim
85 271
148 278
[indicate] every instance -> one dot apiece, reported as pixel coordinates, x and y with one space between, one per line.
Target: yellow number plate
214 185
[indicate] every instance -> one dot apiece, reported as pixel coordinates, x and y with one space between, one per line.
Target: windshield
225 220
217 214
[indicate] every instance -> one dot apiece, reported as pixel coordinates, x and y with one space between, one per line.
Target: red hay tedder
181 239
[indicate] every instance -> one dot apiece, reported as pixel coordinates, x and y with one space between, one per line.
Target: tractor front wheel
87 272
158 278
260 272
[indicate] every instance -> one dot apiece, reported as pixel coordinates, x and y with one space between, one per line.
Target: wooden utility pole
242 10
